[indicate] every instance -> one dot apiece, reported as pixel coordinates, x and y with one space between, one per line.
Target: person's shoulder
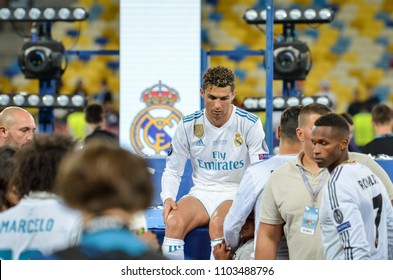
353 168
271 162
245 115
106 133
16 210
194 116
382 140
288 165
9 213
102 134
360 157
70 214
281 171
368 148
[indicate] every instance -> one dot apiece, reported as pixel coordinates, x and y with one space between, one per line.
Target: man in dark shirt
382 117
95 118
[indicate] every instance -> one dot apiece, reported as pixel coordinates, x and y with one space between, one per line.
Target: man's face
218 104
327 146
306 135
21 130
247 230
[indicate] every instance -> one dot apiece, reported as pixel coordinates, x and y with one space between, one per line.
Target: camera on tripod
42 60
292 60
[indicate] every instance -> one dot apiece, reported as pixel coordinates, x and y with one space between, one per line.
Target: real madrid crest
238 139
151 130
199 130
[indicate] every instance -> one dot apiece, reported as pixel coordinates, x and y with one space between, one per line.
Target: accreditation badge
310 220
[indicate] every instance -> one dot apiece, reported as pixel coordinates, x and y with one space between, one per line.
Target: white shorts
211 199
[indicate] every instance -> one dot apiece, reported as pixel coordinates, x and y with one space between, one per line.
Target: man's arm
268 240
241 208
169 205
389 220
175 163
376 169
271 222
381 173
351 228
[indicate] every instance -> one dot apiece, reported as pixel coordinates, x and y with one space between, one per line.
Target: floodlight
295 15
33 100
48 100
18 99
4 99
63 100
293 101
77 100
34 13
280 103
43 14
307 100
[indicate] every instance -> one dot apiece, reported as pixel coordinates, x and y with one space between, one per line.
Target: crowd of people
316 199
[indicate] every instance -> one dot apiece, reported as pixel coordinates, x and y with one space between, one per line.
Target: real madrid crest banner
160 70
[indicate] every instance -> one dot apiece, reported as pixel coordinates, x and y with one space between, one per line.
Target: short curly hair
37 163
7 163
218 76
335 121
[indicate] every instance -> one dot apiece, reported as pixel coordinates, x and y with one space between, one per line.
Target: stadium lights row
258 104
43 14
43 101
295 15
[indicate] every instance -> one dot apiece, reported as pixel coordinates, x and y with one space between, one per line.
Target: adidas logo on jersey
200 143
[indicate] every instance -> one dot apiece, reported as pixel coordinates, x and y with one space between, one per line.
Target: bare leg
216 225
190 213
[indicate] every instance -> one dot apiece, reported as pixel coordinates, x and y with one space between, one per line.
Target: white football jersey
37 225
356 215
219 155
248 197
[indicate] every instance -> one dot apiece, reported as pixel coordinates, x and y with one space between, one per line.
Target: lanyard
314 195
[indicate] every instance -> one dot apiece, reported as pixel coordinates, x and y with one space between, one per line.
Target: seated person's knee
175 224
216 224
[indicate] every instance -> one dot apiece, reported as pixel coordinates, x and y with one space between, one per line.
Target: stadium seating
356 47
353 52
99 32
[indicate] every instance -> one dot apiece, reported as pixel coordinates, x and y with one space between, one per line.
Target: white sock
213 243
173 248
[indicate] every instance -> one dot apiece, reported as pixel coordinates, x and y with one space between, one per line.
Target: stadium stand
99 32
354 51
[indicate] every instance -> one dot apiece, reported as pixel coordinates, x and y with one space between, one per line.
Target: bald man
17 127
